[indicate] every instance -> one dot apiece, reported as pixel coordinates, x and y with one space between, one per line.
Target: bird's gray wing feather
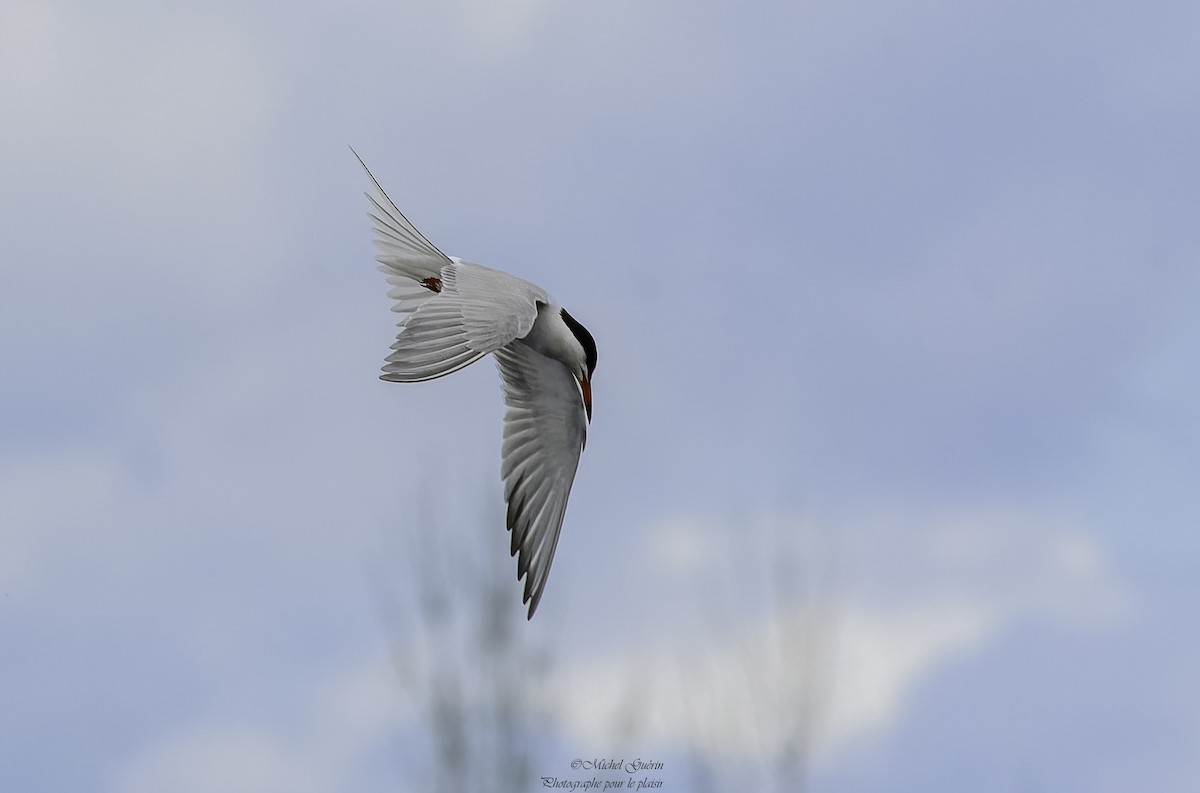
544 433
477 310
452 312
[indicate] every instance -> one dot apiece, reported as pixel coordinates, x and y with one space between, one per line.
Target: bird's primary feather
544 433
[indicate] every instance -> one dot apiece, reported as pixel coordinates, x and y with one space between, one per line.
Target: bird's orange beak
585 386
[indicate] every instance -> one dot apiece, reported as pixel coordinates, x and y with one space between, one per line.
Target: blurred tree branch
785 676
463 651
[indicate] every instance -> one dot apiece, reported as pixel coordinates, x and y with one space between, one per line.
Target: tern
453 313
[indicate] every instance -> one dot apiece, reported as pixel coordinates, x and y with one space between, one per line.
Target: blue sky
895 302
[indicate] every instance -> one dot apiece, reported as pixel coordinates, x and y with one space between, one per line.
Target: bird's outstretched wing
452 312
544 433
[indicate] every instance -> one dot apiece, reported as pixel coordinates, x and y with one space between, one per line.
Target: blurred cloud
883 655
903 601
338 733
230 758
138 89
739 695
682 546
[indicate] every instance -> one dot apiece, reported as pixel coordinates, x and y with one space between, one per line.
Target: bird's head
584 359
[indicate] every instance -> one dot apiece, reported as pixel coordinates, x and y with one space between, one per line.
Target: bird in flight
453 313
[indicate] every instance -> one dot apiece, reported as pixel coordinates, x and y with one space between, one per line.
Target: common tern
453 313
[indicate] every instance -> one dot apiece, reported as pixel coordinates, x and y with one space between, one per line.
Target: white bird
454 313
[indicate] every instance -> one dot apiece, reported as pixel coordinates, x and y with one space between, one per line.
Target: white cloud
322 750
235 758
681 545
499 28
747 695
158 98
135 139
835 661
1025 565
882 654
31 62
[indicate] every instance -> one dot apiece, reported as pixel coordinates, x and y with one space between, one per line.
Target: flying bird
453 313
